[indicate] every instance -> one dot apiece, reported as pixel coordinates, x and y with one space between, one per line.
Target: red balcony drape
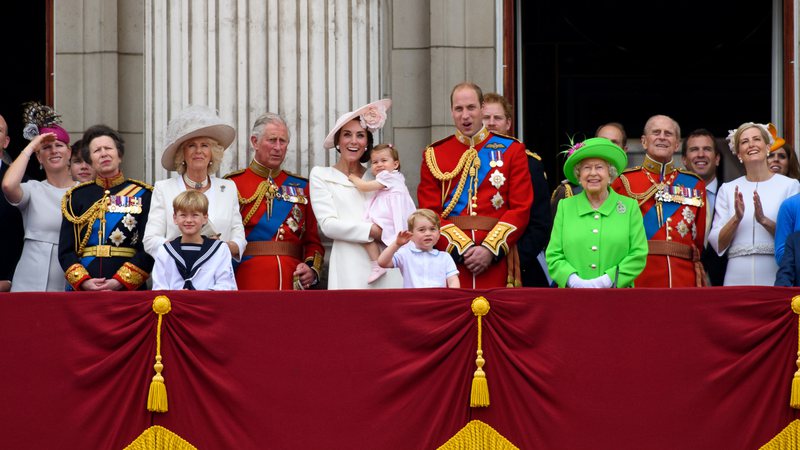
633 368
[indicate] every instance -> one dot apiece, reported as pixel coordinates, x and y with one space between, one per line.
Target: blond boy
193 261
420 263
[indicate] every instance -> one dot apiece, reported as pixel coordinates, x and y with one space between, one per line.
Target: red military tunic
674 213
481 188
280 226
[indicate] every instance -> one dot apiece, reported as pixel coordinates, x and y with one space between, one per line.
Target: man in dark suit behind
10 220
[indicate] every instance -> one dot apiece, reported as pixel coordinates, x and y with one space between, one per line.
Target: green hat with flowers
594 148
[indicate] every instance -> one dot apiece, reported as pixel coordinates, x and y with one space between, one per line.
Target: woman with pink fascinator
339 205
39 202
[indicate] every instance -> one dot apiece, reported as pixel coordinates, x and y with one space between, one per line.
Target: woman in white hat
196 138
339 205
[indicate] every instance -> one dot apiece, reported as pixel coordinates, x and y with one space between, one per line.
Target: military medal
682 228
497 200
499 162
688 215
497 179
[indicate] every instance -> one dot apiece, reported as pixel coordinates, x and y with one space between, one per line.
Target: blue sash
494 144
266 228
112 219
651 225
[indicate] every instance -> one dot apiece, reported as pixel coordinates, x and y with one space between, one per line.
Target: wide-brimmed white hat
195 121
373 116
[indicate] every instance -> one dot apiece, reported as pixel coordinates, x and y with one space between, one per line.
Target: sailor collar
263 171
108 183
476 139
651 165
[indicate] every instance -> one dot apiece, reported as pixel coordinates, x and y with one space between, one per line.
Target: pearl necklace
194 184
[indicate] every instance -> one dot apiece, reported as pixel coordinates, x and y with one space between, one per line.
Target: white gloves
575 281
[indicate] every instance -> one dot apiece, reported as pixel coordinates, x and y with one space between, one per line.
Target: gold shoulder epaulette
234 173
632 169
85 183
141 183
532 154
296 175
433 144
506 136
689 172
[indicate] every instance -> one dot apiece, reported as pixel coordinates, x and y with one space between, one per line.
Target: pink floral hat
372 116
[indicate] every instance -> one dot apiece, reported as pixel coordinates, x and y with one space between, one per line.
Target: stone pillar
308 60
435 45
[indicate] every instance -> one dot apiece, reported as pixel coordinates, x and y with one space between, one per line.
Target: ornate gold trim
478 435
456 238
496 239
159 438
131 276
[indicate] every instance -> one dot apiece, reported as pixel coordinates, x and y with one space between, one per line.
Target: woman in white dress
339 205
39 202
197 138
746 210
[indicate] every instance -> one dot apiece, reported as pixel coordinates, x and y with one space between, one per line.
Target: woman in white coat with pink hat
196 138
339 205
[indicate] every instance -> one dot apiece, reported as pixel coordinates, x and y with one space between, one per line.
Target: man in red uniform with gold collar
283 247
478 182
673 204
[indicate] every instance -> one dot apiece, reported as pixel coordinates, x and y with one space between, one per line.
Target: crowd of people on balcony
484 215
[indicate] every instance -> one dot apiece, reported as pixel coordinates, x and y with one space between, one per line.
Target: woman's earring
740 160
209 164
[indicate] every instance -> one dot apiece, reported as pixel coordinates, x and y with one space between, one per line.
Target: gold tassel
479 397
157 397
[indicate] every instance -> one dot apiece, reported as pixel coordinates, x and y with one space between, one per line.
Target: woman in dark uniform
100 247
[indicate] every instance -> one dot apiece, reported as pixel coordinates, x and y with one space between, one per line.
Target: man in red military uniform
283 247
673 204
478 182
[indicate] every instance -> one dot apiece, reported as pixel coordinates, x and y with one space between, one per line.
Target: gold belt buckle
103 251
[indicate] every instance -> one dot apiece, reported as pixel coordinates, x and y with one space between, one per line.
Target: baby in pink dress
391 205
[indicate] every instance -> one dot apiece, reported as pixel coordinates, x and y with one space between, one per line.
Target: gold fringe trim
479 396
794 401
157 397
159 438
787 439
477 435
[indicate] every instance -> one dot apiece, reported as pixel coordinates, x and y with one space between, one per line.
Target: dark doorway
24 75
584 63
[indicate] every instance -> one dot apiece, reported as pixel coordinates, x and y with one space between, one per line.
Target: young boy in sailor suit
193 261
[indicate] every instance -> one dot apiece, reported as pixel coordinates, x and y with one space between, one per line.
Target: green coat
593 242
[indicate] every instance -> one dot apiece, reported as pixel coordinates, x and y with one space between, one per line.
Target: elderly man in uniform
283 246
673 204
479 183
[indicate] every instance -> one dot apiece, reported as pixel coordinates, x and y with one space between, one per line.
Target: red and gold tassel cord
479 396
157 397
794 402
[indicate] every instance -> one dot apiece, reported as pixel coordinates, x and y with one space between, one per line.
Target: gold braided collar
651 165
263 171
476 139
108 183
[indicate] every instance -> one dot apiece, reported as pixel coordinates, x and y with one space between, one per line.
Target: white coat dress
339 208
